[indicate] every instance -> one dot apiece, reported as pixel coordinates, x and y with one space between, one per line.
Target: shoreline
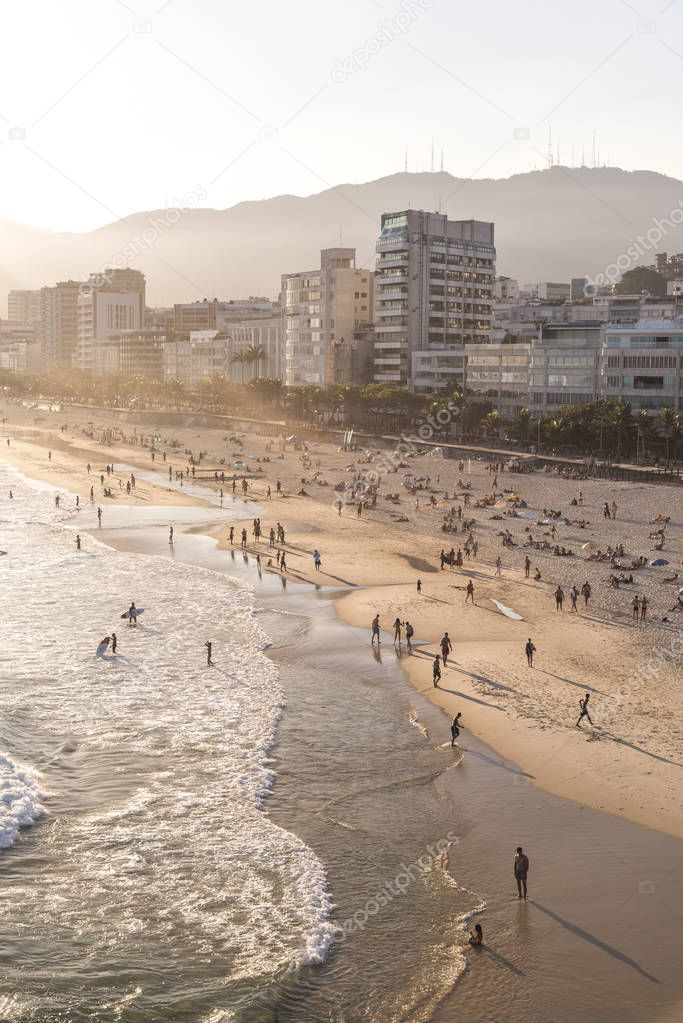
472 859
601 769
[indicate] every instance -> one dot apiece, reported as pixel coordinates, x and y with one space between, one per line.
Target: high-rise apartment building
59 322
321 309
24 307
434 293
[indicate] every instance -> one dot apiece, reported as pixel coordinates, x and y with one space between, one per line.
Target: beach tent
659 561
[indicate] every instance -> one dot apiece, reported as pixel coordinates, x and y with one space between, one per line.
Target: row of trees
603 427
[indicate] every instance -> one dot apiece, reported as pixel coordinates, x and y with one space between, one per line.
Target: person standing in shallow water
521 868
375 630
209 649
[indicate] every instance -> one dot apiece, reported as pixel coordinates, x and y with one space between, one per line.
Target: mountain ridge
551 224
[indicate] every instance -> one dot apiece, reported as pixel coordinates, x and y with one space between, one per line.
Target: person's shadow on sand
602 945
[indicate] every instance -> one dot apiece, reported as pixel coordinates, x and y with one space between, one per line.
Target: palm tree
491 423
671 426
522 424
242 358
257 354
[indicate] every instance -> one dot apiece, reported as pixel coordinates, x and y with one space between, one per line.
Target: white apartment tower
434 295
320 310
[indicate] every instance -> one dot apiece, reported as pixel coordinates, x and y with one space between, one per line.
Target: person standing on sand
231 535
521 869
209 648
643 608
527 566
397 632
583 704
410 632
559 598
530 650
170 535
418 586
636 609
78 542
375 630
586 590
455 728
99 516
436 671
614 509
574 596
470 592
446 648
499 565
317 560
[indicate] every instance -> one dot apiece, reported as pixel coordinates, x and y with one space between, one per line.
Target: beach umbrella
590 546
659 561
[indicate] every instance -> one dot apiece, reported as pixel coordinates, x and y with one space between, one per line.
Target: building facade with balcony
643 364
433 292
321 310
565 366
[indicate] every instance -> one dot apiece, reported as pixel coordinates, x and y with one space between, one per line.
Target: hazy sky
114 106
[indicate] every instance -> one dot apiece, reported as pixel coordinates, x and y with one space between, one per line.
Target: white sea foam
187 846
21 800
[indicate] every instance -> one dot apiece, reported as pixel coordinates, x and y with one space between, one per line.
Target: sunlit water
146 874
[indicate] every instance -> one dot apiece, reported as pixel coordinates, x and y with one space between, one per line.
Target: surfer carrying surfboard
132 614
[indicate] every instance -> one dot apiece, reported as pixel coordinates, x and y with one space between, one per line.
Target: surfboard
507 611
102 648
138 612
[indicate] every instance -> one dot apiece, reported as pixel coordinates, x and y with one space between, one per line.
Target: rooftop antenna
583 157
442 161
594 140
558 161
550 147
432 163
406 163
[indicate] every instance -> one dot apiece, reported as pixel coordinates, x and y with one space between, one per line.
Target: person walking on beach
643 608
231 535
636 609
530 650
418 586
114 642
436 671
170 535
132 614
410 632
78 542
397 632
586 590
375 630
317 560
244 539
455 728
574 596
499 565
283 563
559 598
470 592
521 869
99 516
527 566
209 648
614 509
583 704
605 511
92 494
446 648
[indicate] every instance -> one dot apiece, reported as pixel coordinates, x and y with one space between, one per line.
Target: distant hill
550 225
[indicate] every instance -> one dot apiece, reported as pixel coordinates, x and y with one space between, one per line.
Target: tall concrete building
321 309
59 322
434 294
24 307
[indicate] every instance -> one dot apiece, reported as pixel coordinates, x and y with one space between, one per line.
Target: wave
21 800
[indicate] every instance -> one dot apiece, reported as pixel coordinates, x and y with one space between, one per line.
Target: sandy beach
627 765
630 762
